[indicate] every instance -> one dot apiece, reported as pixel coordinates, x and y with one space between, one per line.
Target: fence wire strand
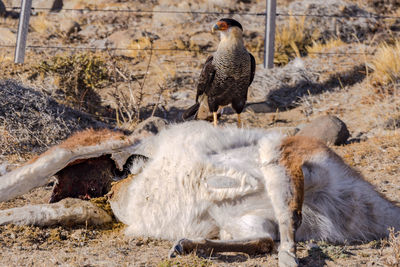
167 50
370 15
37 47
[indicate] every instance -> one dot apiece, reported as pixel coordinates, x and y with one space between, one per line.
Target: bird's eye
222 25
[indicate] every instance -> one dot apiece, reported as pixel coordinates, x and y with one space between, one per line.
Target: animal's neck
231 40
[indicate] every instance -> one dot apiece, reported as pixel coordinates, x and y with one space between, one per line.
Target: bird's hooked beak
219 26
214 28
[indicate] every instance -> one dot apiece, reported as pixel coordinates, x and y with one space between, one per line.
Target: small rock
7 37
329 129
152 125
392 123
70 27
311 246
358 137
88 31
3 168
203 40
78 235
98 43
122 39
130 39
261 107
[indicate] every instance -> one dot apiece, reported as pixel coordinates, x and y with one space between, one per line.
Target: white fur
340 206
212 182
178 193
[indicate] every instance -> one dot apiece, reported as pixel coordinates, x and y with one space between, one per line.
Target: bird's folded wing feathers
206 77
253 68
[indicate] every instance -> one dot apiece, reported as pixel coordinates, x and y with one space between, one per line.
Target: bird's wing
83 145
206 77
253 68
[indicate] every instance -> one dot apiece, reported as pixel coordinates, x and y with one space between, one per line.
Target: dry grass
292 40
364 154
377 157
318 47
394 245
188 261
386 64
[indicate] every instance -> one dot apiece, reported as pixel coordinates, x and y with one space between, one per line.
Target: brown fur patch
118 188
84 138
295 151
91 137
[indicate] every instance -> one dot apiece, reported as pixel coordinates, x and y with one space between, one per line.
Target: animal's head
228 27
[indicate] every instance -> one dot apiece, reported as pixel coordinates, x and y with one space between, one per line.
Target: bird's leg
239 121
250 246
215 118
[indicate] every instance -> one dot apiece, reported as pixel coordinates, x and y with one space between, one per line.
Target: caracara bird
227 75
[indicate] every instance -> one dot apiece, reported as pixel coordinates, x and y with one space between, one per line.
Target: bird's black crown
232 22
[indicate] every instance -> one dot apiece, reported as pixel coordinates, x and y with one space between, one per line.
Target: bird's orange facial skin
220 26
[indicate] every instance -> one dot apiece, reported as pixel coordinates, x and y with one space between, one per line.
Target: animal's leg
250 233
239 121
69 211
249 246
215 118
238 106
285 187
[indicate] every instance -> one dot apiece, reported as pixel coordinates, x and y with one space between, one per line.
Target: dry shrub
256 47
394 245
79 76
132 94
31 121
292 40
386 64
318 47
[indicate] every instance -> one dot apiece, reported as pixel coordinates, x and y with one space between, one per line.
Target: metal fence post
269 42
23 26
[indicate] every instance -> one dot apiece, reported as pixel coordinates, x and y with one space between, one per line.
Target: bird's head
227 26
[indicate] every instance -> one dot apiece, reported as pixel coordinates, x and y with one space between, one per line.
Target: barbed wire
36 47
152 49
111 48
145 11
370 15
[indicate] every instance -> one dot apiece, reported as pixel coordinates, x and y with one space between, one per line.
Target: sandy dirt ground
373 149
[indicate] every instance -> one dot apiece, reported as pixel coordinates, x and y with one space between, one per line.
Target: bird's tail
192 111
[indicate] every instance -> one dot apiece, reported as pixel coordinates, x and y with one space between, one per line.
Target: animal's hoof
287 259
177 248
